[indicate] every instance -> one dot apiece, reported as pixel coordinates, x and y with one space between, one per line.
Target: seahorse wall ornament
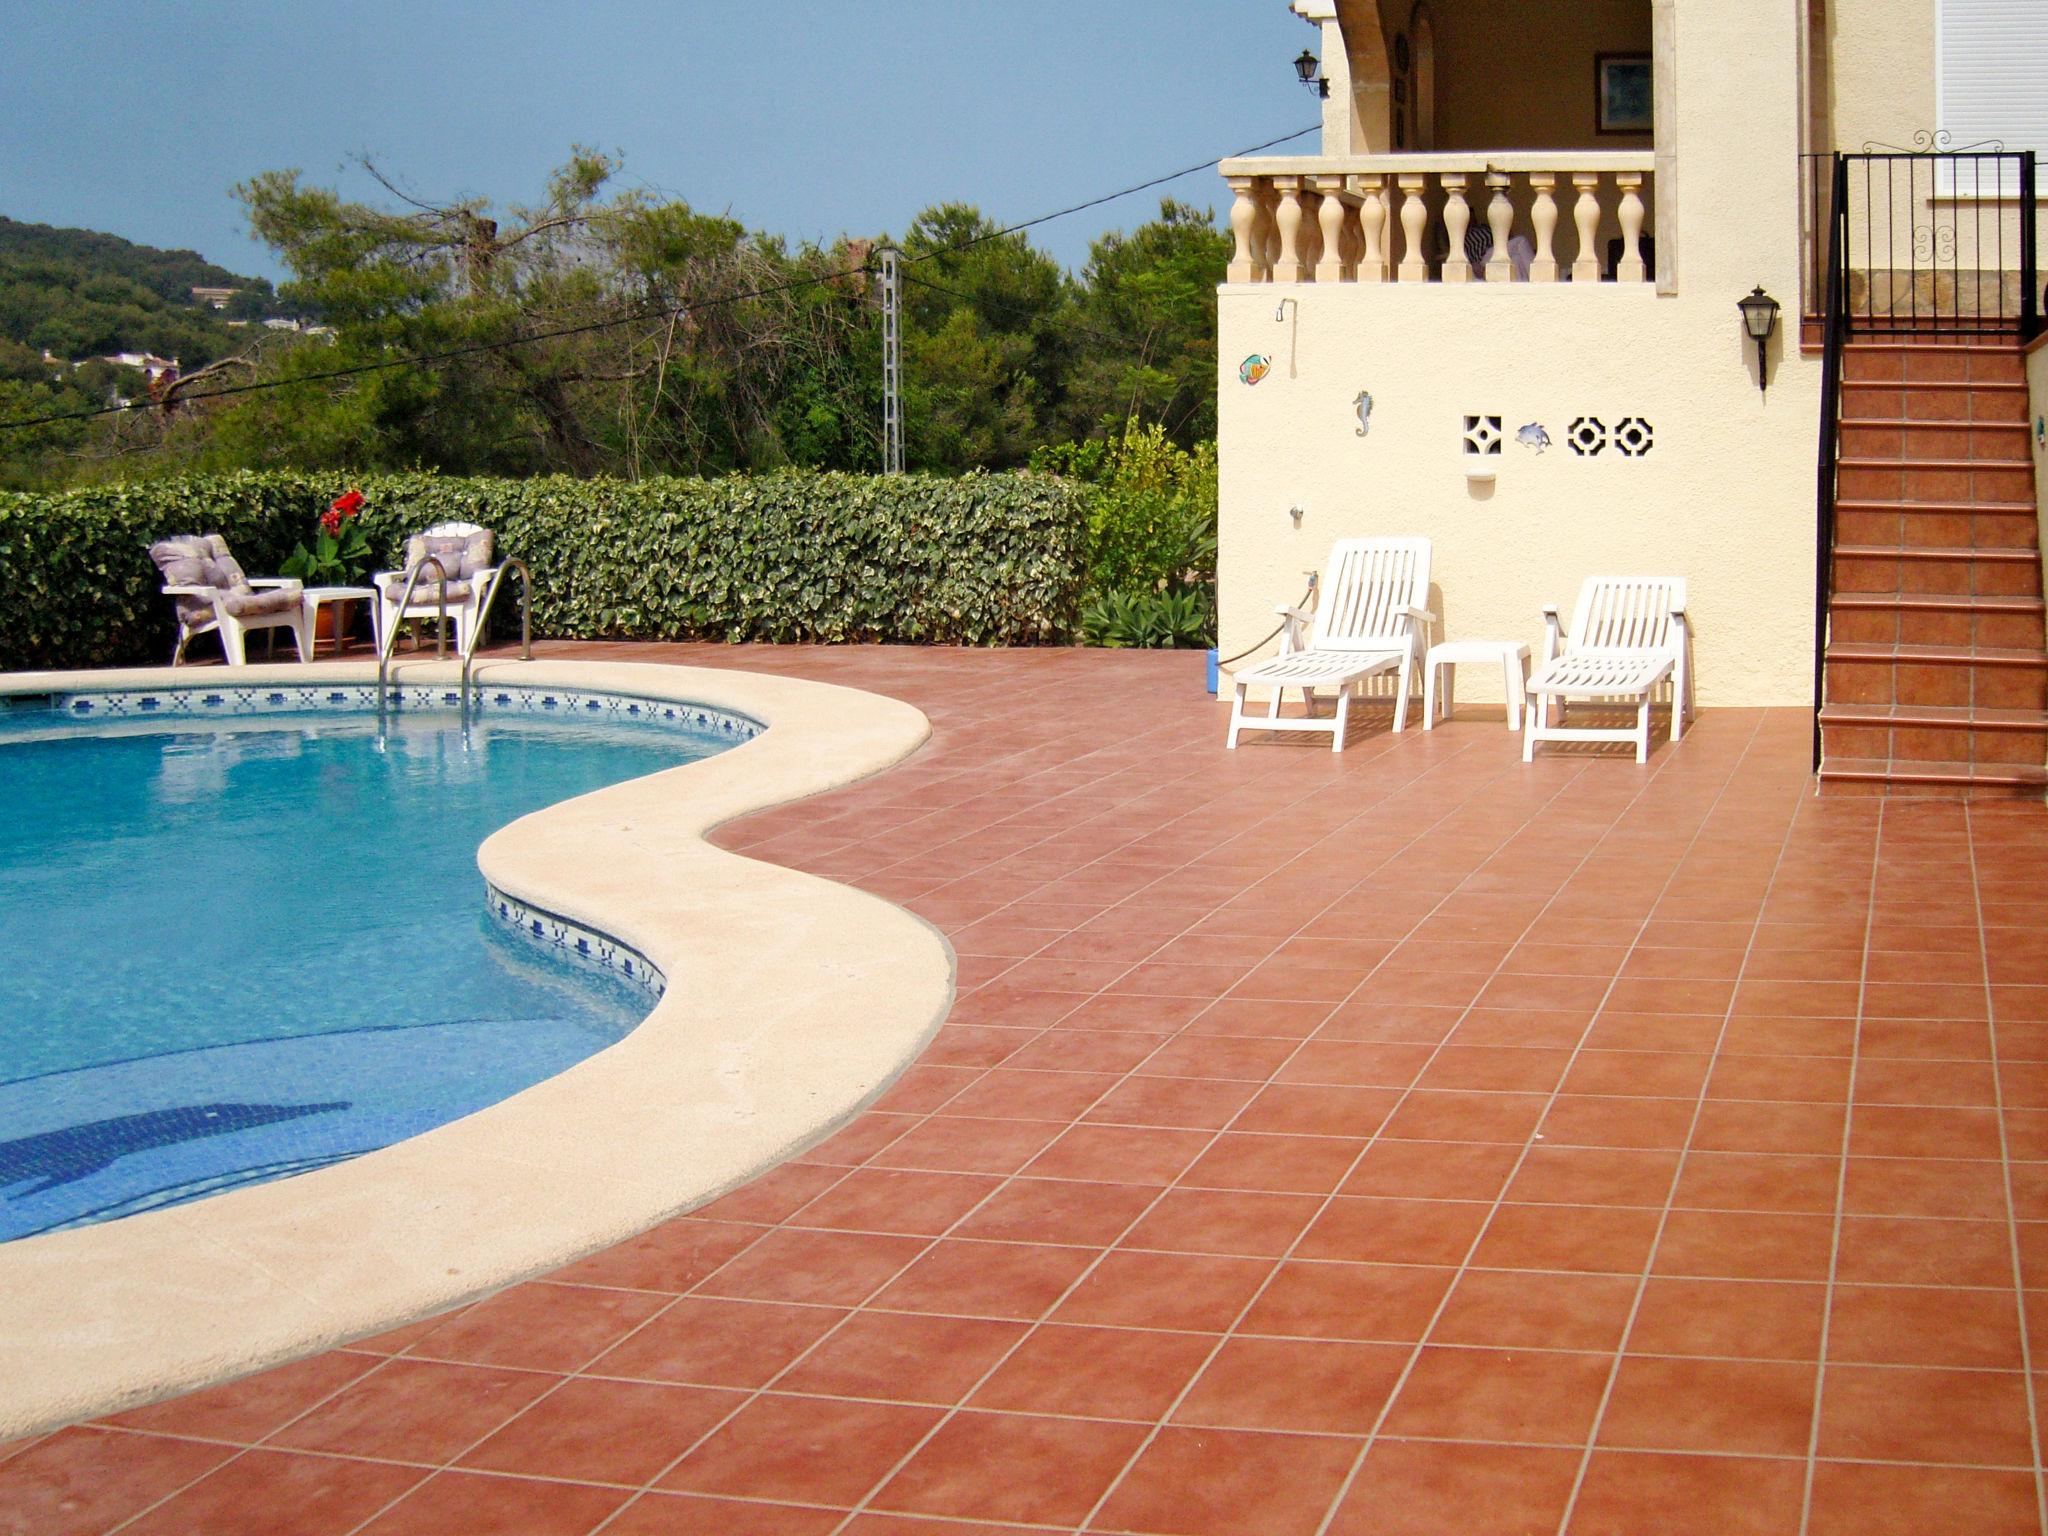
1364 406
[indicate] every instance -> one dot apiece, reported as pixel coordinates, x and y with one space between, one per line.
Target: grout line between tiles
2019 1274
1677 1178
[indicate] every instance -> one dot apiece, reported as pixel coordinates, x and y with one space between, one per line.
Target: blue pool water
236 949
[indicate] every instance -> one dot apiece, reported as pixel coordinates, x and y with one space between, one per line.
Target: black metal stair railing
1833 328
1930 244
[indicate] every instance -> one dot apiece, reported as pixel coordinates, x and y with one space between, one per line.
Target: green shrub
1151 536
1150 620
979 560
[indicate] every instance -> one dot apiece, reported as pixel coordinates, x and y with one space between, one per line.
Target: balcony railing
1410 218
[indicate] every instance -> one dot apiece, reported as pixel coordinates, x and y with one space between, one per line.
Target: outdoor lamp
1759 318
1308 67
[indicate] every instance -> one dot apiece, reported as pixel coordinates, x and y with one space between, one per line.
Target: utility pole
892 362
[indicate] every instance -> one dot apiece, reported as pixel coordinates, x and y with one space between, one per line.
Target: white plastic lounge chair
1628 636
1370 619
212 594
464 550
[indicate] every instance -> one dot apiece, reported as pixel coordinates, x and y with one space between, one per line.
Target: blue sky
806 117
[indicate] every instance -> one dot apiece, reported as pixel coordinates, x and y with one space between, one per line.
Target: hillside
84 294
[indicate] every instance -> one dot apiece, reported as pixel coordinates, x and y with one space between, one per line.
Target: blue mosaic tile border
578 945
573 942
213 703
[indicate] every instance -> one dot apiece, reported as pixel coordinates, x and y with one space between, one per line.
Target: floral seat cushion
202 560
246 603
462 556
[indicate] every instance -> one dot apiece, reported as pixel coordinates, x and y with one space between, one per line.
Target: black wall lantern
1309 68
1759 318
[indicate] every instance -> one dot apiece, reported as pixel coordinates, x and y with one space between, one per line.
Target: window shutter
1993 73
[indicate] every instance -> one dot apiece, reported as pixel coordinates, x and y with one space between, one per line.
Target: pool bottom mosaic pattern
240 948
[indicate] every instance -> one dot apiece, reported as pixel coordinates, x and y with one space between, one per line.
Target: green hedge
981 560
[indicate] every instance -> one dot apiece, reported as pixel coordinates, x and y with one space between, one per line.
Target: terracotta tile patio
1403 1142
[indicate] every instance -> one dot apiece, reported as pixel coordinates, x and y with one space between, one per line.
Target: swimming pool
249 942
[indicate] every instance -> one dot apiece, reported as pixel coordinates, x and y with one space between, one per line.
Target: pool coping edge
821 994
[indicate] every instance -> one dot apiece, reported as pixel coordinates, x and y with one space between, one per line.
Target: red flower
330 521
348 504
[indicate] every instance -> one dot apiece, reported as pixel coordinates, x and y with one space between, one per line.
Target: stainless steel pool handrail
483 616
389 638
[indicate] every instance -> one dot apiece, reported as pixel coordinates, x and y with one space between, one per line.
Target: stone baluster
1372 224
1500 218
1354 237
1288 267
1245 263
1457 219
1414 217
1268 231
1543 216
1586 215
1311 229
1333 265
1631 268
1414 220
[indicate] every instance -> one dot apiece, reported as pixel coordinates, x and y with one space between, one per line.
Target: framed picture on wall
1622 93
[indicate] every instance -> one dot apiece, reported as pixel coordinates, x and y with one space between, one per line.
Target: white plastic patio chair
465 551
1370 619
212 594
1628 636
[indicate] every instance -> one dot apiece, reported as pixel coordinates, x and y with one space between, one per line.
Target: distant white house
214 298
151 365
296 327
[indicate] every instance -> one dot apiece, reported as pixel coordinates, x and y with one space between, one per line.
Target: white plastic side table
1512 659
316 597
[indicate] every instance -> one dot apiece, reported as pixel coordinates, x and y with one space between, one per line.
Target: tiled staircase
1936 664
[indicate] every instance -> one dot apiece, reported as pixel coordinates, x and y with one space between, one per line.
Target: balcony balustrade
1405 218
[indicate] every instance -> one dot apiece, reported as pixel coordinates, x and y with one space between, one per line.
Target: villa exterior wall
1724 496
1879 58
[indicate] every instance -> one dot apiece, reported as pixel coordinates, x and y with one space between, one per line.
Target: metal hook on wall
1280 317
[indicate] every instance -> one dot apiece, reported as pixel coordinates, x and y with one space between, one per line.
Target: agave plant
1150 620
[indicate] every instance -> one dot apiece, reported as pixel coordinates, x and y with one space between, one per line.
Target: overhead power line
670 312
1016 308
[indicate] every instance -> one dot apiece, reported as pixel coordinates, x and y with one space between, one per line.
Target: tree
29 388
983 352
603 331
592 333
1154 291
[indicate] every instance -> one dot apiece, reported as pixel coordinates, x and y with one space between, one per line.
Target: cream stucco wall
1724 498
1878 56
